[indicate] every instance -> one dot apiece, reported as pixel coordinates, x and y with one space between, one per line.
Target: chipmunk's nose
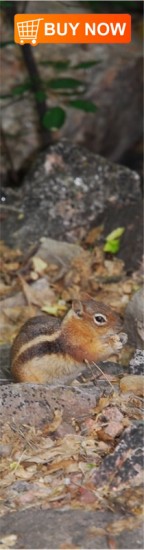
123 337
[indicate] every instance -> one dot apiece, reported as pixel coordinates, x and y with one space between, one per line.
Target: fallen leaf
103 402
67 546
52 426
132 383
7 542
38 265
121 525
94 234
55 309
103 436
96 531
11 266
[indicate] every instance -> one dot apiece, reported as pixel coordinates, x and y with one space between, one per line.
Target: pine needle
101 371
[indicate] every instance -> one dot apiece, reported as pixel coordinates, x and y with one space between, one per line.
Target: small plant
113 241
68 90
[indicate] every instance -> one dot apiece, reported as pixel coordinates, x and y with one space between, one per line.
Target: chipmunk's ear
77 307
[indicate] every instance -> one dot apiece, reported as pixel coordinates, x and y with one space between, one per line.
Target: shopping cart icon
28 30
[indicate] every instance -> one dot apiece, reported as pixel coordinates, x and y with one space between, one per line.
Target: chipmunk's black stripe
39 350
37 326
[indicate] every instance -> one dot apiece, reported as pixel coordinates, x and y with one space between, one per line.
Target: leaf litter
45 469
57 273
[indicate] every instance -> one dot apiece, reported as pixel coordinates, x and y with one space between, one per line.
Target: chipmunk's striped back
37 348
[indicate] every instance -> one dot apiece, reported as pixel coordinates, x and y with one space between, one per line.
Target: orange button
72 28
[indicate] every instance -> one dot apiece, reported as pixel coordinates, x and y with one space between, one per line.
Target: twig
36 85
101 371
24 6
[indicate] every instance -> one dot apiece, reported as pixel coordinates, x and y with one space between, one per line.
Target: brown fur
46 350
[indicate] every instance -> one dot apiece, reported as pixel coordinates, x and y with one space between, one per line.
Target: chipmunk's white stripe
38 340
49 369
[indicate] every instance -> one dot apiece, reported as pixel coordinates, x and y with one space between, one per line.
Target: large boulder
66 192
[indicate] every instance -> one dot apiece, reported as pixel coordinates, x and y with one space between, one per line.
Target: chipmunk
49 351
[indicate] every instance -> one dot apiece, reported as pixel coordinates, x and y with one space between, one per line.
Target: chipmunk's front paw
120 340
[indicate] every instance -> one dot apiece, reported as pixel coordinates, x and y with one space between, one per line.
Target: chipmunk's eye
100 319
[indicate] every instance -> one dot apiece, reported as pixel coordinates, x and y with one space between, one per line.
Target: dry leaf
38 265
4 289
132 383
11 266
103 436
53 426
68 546
96 531
103 402
7 542
94 234
121 525
55 309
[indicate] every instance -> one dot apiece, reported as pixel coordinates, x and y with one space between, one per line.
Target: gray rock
64 193
34 404
134 320
124 466
137 362
36 528
55 7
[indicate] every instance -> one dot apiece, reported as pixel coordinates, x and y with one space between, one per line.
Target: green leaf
59 83
4 4
113 240
86 64
112 246
84 105
7 43
19 90
54 118
59 65
116 234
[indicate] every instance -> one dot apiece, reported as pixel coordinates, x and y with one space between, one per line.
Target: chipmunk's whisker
100 370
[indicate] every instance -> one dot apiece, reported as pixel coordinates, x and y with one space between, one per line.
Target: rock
34 404
41 7
124 466
37 528
63 194
137 362
129 216
113 131
134 323
58 252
